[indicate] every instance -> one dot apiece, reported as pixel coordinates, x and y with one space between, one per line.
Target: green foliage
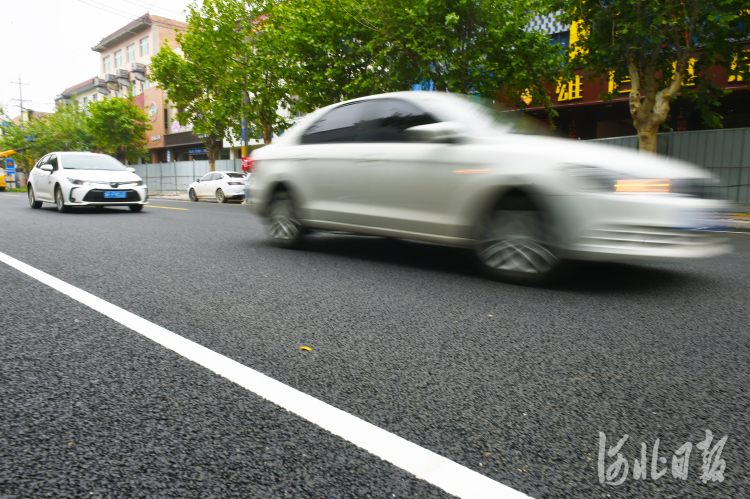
118 127
349 48
652 42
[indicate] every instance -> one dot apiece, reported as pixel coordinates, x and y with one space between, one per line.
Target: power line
20 94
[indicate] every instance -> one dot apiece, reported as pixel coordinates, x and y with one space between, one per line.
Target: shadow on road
575 276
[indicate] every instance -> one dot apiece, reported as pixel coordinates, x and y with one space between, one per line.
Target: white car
443 168
221 186
85 179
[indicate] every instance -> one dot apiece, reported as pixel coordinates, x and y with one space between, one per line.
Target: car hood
617 159
102 175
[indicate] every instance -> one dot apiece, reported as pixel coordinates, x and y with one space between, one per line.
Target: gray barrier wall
174 177
725 152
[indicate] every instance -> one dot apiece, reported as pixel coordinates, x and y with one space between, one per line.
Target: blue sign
10 167
169 155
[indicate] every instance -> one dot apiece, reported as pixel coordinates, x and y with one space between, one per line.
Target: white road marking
422 463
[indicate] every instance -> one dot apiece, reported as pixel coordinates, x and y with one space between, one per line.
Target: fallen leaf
306 348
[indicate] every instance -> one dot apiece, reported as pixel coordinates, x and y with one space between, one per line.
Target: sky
47 43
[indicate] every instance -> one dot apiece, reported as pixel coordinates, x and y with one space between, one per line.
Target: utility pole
20 99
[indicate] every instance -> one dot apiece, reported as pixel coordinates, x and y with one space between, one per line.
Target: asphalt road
515 383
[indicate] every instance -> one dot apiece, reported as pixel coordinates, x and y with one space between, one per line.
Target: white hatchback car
443 168
221 186
85 179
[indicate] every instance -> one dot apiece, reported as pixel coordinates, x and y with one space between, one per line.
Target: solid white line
422 463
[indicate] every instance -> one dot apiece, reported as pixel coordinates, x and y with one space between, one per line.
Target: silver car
447 169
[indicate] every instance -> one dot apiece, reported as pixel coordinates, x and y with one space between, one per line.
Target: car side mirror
197 180
130 169
444 132
46 168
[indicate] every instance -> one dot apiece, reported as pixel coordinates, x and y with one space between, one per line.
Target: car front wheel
60 201
193 196
135 208
514 245
284 226
32 199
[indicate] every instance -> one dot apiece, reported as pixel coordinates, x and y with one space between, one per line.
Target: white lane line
422 463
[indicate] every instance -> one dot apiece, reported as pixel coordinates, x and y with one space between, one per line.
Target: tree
661 45
349 48
67 129
118 127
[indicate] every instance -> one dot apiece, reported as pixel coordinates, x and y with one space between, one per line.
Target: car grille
97 196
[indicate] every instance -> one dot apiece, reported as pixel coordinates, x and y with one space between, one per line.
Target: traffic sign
10 167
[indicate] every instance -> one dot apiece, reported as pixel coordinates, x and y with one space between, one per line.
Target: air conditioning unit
123 73
100 82
110 78
138 67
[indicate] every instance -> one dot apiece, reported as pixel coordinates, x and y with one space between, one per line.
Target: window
385 120
119 92
145 84
144 47
106 65
94 97
85 101
118 58
41 162
337 125
131 52
52 161
563 39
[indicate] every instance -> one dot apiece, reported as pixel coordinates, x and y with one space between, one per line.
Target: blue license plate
115 194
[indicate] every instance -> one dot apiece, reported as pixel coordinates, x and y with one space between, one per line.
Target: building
584 115
81 94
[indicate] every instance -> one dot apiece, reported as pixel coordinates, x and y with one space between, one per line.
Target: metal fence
726 153
174 177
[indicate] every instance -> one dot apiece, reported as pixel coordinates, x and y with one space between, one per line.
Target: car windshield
91 162
235 175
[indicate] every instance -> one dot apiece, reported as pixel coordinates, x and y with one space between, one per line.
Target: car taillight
235 183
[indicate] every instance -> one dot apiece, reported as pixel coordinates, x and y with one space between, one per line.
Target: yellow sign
526 97
569 90
618 87
689 81
734 66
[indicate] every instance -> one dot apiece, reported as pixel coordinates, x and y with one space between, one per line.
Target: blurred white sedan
85 179
220 186
442 168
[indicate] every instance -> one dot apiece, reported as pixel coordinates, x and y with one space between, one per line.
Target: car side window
52 161
337 125
207 177
385 120
41 162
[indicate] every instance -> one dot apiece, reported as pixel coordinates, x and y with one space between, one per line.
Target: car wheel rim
192 195
513 241
282 222
59 201
31 196
220 196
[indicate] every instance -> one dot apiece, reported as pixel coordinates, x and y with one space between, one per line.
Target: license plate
115 194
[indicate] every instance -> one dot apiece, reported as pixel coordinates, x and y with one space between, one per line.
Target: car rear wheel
135 208
284 226
514 245
60 201
193 196
220 197
32 199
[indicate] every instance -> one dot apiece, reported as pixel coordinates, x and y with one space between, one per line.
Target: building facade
583 114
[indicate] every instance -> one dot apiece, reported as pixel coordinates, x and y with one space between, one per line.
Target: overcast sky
48 43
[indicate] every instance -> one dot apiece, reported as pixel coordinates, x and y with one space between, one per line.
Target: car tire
284 227
193 197
60 200
32 199
513 243
220 197
135 208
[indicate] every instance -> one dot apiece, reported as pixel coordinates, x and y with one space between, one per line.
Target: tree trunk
267 133
210 142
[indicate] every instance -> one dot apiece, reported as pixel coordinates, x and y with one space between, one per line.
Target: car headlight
594 178
75 181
